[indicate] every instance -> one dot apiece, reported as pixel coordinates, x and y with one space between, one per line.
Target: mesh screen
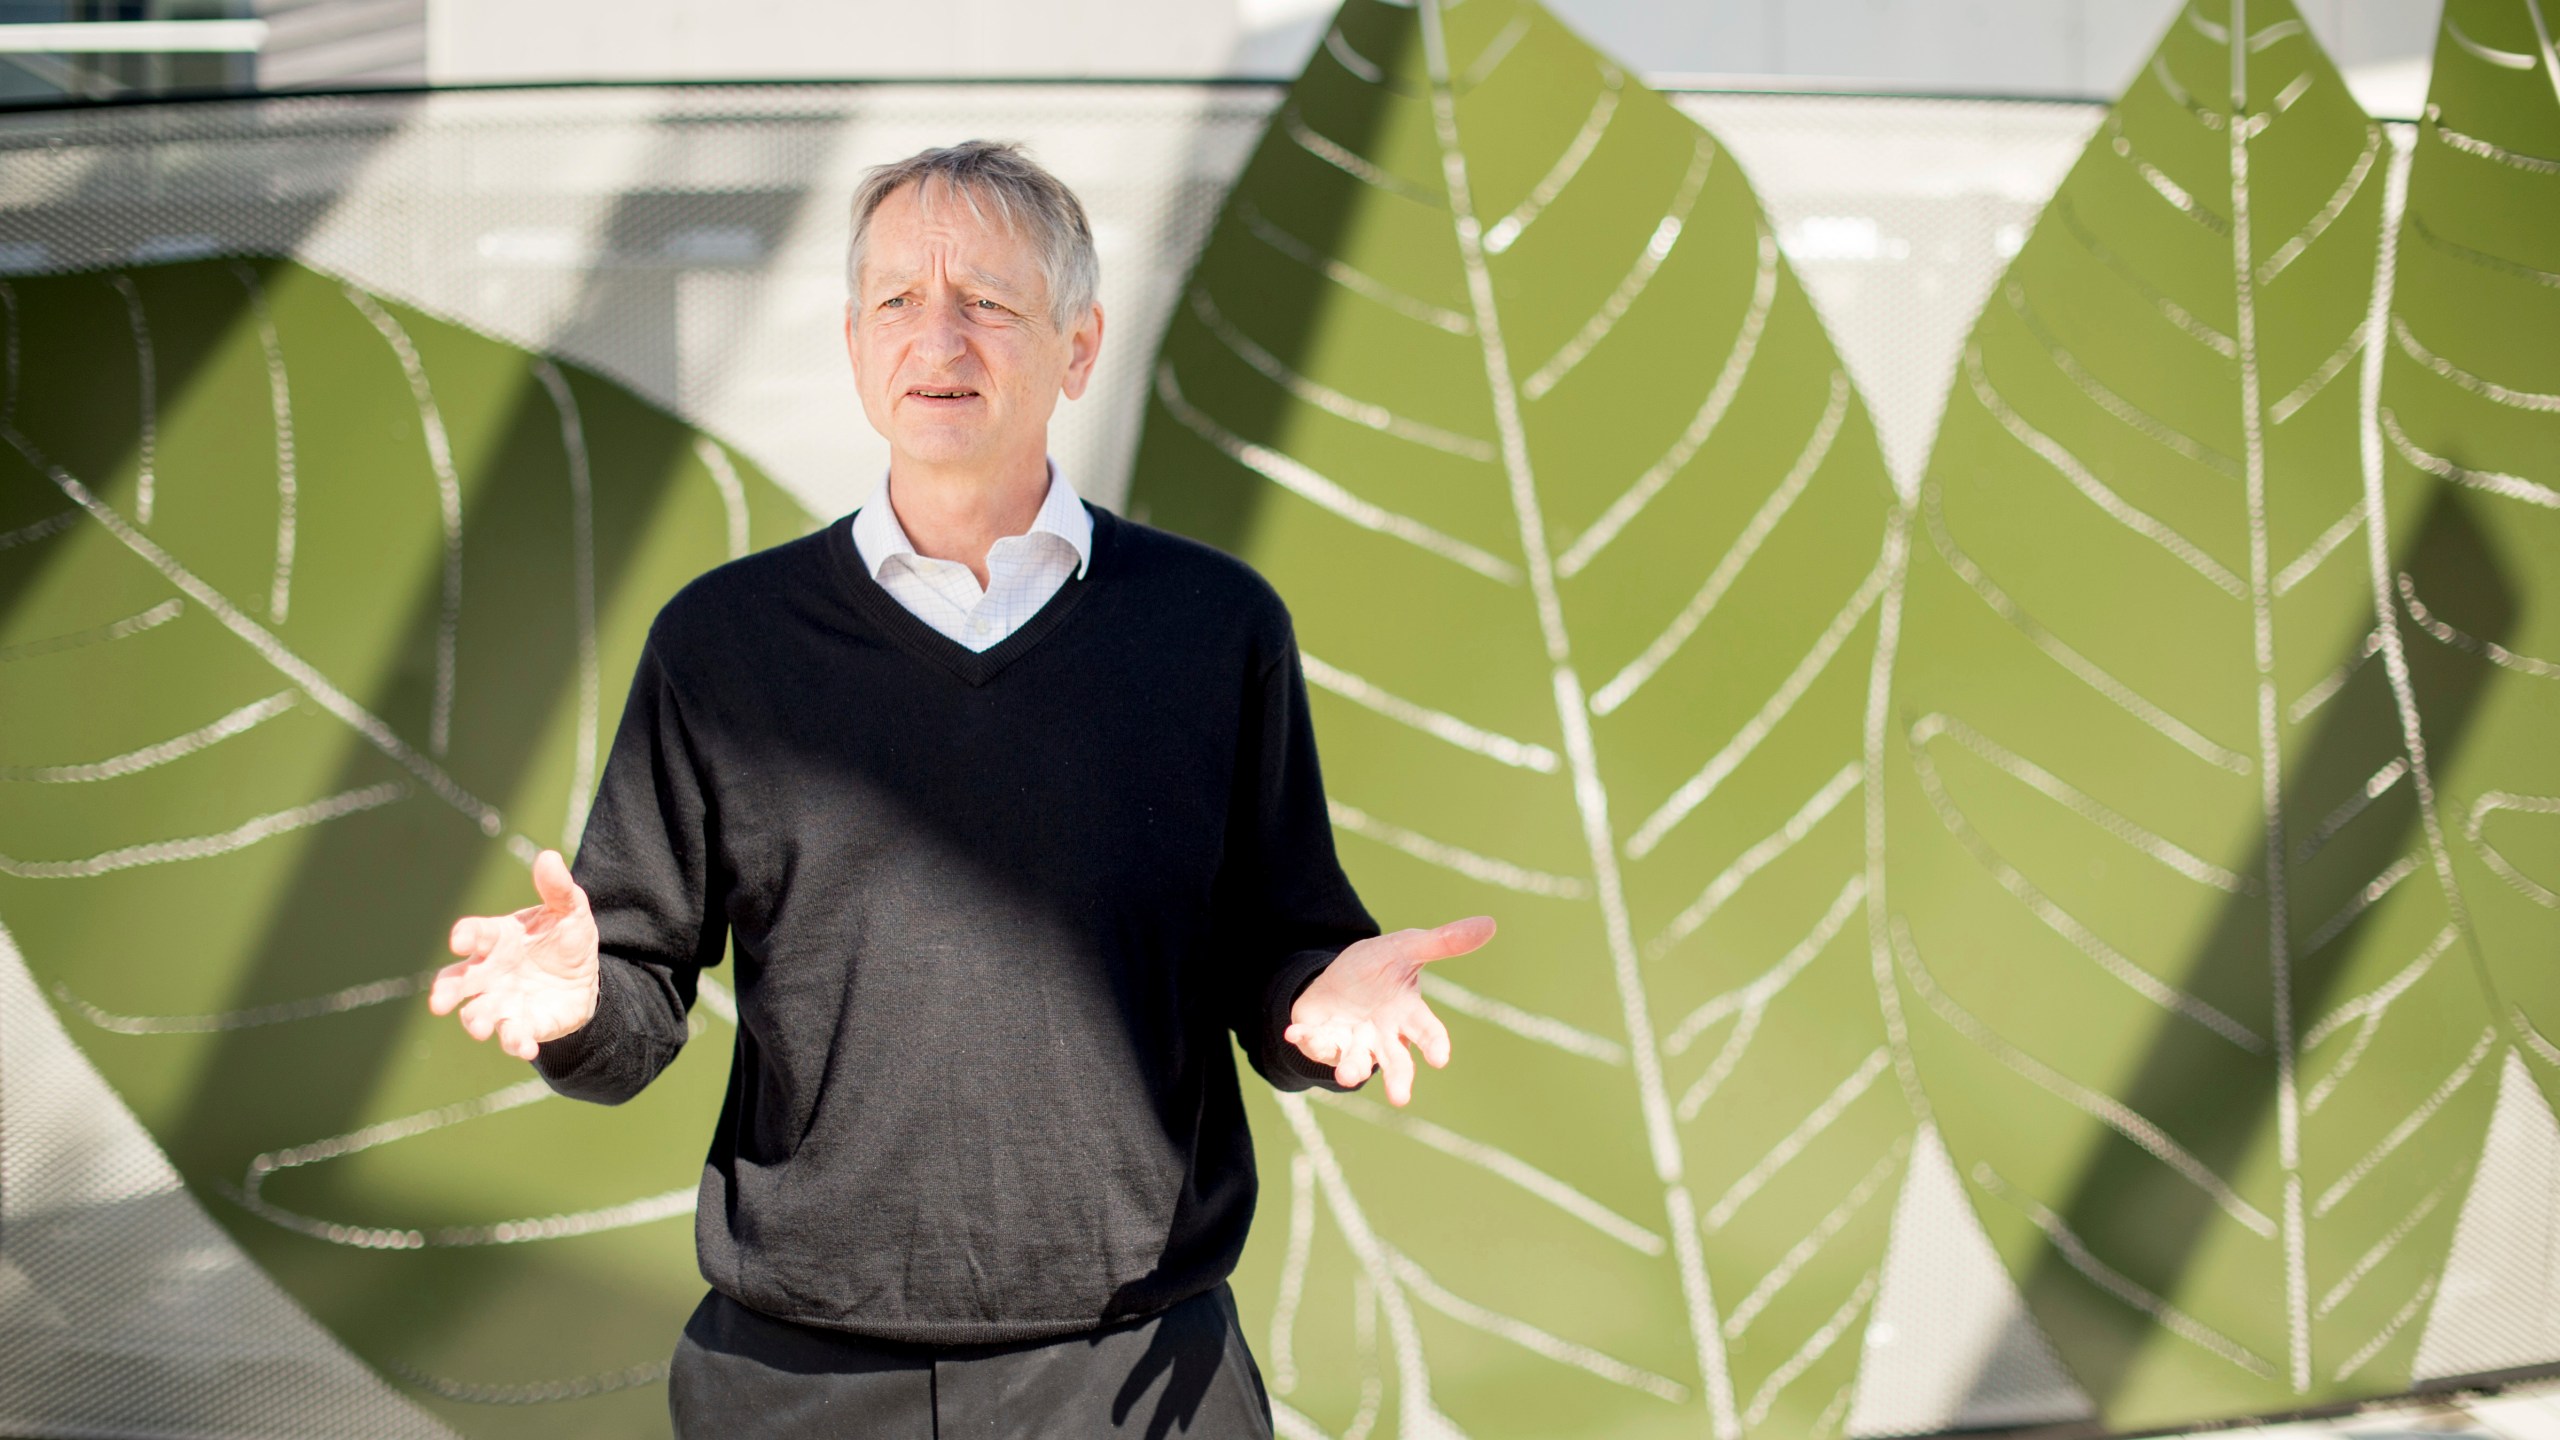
689 241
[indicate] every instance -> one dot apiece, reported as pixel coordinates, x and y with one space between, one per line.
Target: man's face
954 349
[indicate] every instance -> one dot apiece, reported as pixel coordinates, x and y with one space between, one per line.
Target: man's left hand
1367 1005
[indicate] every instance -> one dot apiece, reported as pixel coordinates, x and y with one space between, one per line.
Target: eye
989 305
893 302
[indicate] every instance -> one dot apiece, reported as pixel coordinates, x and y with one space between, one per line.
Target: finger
1455 938
516 1038
454 984
551 880
480 1016
472 936
1397 1062
1313 1042
1359 1058
1424 1029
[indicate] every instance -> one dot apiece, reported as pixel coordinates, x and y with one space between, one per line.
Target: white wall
2012 47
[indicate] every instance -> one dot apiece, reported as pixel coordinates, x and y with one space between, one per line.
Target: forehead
933 226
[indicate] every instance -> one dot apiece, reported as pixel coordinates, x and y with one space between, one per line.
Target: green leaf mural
2194 1012
2468 426
314 612
1493 367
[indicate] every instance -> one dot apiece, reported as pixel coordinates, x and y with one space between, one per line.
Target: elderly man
1008 810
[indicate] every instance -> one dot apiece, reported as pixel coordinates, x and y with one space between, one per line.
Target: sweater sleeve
645 863
1294 909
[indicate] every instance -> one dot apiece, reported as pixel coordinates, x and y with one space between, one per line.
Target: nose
945 334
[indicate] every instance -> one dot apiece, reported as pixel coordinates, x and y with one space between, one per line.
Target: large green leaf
313 611
2469 448
2186 992
1493 367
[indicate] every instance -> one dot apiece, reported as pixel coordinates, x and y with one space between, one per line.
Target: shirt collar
878 536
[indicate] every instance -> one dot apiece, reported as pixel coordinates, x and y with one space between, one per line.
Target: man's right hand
526 977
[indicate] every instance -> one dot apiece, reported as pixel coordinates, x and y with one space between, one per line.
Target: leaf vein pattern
2390 1330
2106 398
2176 731
1302 481
2375 786
1502 234
2318 380
2104 1109
1760 991
2512 487
1545 1029
1572 711
336 1002
2078 1256
1439 725
1807 1355
1737 363
1529 1337
2063 923
151 618
2382 1248
582 578
1694 791
733 493
1823 1233
1483 868
1325 397
2477 821
202 847
1751 1003
2482 258
2170 310
1349 162
448 494
1657 249
147 442
2491 390
1766 852
1358 282
1796 1141
239 722
2346 1184
2319 551
2053 787
2462 640
2178 196
2329 211
1510 1167
2369 1012
280 406
2082 479
312 683
1745 545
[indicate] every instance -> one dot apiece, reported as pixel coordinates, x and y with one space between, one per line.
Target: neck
951 513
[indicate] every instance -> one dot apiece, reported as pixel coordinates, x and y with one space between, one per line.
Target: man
1008 810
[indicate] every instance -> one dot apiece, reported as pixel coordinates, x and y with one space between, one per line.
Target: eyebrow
900 280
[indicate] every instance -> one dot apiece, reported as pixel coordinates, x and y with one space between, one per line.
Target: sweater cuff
580 1064
1285 1065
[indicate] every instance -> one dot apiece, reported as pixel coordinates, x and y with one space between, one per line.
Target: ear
1084 343
851 352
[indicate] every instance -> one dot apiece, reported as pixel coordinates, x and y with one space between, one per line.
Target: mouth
944 394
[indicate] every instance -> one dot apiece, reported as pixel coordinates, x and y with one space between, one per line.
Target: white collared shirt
1023 571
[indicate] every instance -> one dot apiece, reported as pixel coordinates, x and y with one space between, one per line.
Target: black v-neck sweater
994 916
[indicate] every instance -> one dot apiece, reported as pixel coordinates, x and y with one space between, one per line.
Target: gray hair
987 175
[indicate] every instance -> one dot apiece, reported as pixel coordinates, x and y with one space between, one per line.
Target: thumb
1455 938
551 880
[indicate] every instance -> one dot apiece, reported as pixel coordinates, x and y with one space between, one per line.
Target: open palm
529 976
1367 1006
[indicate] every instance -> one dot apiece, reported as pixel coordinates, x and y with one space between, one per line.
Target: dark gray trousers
739 1374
